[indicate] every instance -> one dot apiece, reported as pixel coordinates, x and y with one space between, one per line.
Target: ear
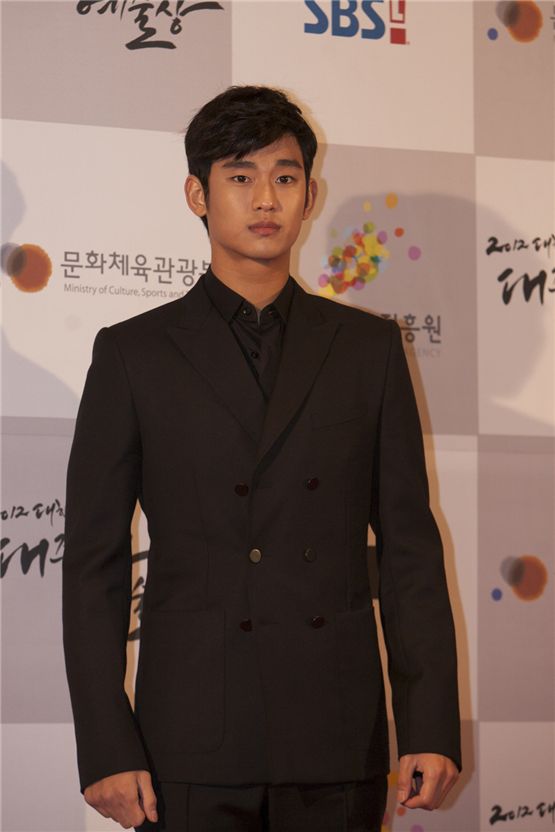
194 194
310 198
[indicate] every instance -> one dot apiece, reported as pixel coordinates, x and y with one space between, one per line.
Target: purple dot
493 34
414 253
417 828
359 283
496 594
382 236
323 280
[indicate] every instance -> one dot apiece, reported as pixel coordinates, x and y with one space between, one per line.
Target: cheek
226 216
296 219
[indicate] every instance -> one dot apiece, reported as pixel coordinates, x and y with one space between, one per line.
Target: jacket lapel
208 343
307 340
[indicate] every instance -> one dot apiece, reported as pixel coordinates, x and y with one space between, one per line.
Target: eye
286 176
240 177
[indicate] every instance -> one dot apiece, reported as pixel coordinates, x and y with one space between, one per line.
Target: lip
264 228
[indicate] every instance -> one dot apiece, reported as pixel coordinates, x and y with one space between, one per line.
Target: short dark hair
239 121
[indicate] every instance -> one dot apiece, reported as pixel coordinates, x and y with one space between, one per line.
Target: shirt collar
228 302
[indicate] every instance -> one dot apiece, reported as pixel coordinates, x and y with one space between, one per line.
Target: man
262 429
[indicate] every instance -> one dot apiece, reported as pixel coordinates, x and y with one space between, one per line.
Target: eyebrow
244 163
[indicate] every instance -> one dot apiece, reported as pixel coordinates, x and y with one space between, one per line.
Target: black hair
239 121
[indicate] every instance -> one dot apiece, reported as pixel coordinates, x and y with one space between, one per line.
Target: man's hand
126 798
439 775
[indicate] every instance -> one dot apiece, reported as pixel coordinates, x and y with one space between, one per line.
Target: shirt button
312 483
309 554
318 621
242 489
246 310
255 354
255 555
246 624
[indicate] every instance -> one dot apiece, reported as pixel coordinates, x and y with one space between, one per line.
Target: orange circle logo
29 267
526 575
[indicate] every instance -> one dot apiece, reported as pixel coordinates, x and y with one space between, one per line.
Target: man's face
255 205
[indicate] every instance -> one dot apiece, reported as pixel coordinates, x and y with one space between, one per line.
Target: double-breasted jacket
259 658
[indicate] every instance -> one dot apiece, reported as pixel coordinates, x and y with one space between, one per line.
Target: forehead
286 147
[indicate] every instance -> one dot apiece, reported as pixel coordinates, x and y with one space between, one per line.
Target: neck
258 281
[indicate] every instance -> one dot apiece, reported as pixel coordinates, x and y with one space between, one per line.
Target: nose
264 197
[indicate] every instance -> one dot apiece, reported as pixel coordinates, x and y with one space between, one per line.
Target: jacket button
312 483
255 555
242 489
318 621
309 554
246 624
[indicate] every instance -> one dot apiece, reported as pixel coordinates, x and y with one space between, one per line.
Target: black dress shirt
259 335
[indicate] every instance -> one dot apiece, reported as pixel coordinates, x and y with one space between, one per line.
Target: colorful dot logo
363 254
28 265
522 19
526 575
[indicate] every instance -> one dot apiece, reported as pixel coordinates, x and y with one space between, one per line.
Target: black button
312 483
309 554
255 354
246 624
318 621
246 310
255 555
242 489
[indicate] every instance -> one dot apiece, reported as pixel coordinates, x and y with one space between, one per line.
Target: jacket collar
207 342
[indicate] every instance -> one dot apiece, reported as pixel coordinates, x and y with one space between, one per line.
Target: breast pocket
337 413
180 679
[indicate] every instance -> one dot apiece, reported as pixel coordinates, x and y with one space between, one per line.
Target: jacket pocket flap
337 413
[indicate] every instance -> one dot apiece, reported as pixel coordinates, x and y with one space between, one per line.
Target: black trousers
336 807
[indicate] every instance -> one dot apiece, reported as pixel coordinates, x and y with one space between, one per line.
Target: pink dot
382 236
323 280
417 828
414 253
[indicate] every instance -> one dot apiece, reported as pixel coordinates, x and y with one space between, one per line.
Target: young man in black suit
262 429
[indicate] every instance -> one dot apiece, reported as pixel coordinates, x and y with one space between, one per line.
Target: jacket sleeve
414 603
102 485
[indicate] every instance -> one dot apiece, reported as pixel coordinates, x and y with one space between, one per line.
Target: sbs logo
352 18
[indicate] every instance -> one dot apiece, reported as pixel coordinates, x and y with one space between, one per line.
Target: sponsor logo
364 251
543 809
521 19
526 575
522 285
49 549
28 266
148 16
366 19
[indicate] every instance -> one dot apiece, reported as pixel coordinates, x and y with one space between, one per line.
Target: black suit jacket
259 657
